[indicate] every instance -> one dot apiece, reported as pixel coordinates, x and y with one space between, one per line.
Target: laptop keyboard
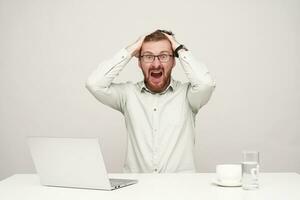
117 182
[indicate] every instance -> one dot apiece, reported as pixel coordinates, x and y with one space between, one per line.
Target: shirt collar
144 88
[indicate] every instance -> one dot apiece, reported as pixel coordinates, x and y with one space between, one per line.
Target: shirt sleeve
201 83
100 82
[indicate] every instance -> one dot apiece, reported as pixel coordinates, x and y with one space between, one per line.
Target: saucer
227 184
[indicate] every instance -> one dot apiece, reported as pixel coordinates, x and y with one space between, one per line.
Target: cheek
169 72
145 69
168 69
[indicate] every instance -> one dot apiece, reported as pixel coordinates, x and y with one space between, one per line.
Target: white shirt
160 126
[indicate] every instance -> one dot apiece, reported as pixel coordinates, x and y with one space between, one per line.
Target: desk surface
273 186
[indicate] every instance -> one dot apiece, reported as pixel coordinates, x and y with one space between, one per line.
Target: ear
174 62
139 62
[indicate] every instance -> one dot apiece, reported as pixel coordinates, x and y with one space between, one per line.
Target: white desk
274 186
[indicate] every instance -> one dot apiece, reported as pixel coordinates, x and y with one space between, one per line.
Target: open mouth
156 74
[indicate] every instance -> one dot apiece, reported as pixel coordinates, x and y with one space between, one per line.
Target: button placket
155 131
155 115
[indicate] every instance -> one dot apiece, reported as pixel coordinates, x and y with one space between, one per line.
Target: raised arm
201 83
100 82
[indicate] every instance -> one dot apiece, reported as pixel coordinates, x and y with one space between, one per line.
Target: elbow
211 84
95 85
89 84
209 81
207 85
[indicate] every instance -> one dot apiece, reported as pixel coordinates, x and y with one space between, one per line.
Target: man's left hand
173 41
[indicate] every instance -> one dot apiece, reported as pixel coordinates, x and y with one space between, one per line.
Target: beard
157 80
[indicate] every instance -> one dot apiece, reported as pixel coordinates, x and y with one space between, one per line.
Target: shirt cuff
184 54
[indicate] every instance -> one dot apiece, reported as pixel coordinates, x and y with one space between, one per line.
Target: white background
252 48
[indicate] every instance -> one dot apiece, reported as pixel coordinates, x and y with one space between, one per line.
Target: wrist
131 50
178 49
176 45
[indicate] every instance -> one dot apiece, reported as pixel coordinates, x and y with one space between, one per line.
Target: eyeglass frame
157 56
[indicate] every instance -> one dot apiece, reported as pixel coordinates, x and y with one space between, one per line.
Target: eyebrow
165 52
149 52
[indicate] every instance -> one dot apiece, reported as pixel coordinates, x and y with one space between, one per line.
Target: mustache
156 69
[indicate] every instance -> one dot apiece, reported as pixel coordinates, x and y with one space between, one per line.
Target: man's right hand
134 49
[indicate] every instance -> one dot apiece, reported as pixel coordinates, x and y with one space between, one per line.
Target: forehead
156 47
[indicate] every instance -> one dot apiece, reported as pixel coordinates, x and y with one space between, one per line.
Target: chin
157 87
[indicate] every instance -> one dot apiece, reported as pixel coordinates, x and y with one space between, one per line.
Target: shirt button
154 109
155 170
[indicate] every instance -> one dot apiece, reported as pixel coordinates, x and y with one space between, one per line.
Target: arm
201 83
100 82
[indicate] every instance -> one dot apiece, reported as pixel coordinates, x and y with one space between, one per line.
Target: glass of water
250 170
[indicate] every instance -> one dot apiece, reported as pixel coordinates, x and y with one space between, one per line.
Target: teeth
156 72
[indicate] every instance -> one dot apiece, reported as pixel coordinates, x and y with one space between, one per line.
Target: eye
148 56
163 56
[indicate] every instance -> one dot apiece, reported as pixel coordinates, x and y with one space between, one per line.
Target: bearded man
159 111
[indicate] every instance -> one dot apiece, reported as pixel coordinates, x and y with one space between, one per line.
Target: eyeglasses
149 58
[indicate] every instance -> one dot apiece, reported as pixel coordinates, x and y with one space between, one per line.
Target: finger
142 38
170 37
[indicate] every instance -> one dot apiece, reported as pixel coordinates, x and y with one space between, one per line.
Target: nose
156 62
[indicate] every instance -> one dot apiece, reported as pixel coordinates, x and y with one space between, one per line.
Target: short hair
157 35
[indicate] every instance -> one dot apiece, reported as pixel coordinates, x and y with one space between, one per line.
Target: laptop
72 162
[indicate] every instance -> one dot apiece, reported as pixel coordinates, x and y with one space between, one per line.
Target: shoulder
128 86
178 85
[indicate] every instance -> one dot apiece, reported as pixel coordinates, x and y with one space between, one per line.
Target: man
159 111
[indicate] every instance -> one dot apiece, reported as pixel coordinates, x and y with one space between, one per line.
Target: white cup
229 173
